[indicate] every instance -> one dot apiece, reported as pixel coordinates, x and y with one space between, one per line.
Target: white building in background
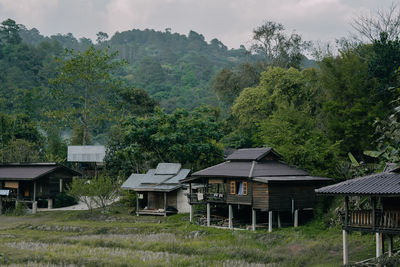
86 154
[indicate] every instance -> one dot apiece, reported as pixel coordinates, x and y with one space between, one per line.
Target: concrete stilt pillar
34 207
191 213
50 203
390 246
253 219
345 249
208 214
279 220
270 221
230 224
296 218
378 245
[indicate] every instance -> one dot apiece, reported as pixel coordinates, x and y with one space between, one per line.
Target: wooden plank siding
260 196
281 195
239 199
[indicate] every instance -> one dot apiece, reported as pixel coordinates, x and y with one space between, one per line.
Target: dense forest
155 96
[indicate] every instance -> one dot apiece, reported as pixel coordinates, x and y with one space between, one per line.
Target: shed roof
250 154
156 180
86 153
384 183
30 171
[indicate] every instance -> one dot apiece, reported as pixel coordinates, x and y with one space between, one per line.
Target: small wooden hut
259 179
159 191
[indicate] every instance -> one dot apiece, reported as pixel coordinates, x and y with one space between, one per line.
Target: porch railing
194 198
381 220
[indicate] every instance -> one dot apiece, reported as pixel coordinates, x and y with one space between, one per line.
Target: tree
371 26
101 37
9 32
190 138
279 49
84 85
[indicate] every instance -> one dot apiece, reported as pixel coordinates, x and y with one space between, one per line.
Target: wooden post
165 203
373 213
378 244
253 219
390 246
279 220
346 211
208 214
230 224
382 237
137 204
191 213
345 249
270 221
1 206
49 203
61 185
296 218
34 191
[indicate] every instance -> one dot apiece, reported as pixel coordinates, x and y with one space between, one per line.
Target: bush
63 200
128 198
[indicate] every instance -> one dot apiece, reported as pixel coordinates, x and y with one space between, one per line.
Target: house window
233 188
244 188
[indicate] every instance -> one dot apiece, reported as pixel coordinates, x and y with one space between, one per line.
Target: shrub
63 200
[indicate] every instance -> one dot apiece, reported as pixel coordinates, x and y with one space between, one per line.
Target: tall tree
84 84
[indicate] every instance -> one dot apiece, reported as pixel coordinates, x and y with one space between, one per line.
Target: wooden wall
281 195
239 199
260 196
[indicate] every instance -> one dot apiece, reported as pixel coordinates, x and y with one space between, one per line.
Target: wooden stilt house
256 178
28 182
380 213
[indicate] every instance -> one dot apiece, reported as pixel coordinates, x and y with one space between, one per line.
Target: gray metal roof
152 181
86 153
30 171
243 168
168 168
250 154
385 183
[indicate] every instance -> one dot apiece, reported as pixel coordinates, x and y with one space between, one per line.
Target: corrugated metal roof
168 168
385 183
86 153
29 171
243 168
151 181
250 154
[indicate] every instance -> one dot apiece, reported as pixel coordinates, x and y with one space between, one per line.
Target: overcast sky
231 21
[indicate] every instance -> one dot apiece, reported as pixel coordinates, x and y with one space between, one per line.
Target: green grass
119 239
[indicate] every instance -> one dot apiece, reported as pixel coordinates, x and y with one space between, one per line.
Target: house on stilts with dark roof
256 180
380 213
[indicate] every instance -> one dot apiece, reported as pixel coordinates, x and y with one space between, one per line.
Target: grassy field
81 238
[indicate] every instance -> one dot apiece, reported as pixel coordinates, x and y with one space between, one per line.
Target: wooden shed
159 191
256 177
27 182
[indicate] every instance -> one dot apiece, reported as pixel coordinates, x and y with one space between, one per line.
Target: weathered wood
137 204
1 207
50 203
296 218
165 203
208 214
34 190
279 220
230 211
191 213
346 210
390 246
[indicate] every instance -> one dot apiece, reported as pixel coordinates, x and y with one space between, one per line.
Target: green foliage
63 200
190 138
99 191
83 84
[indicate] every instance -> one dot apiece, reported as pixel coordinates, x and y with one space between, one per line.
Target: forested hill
177 70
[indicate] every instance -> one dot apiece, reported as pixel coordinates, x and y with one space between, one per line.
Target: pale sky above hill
231 21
